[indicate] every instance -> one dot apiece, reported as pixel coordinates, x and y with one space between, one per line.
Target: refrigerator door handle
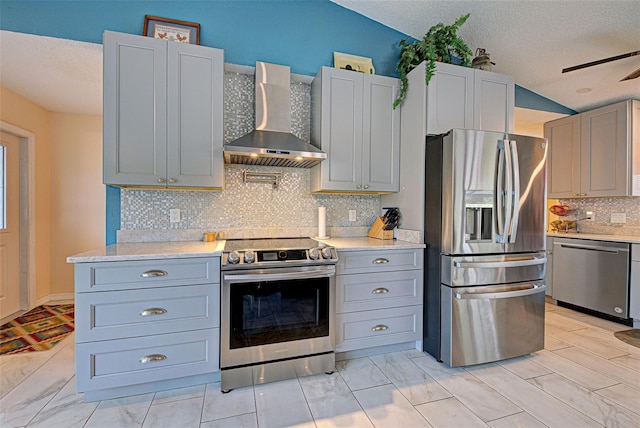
493 265
515 164
499 192
535 289
508 191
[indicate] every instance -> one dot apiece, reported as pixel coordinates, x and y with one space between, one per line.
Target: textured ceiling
534 40
57 74
531 40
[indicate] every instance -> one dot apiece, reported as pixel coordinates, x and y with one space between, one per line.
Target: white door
9 225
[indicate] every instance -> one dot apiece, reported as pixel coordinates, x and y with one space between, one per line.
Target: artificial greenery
440 43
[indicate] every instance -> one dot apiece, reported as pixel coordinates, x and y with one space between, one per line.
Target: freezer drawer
464 271
592 274
491 323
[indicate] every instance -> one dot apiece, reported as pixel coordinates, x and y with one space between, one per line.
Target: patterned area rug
632 337
37 330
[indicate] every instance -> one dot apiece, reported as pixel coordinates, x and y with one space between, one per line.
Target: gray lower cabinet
163 114
634 283
378 298
548 276
146 325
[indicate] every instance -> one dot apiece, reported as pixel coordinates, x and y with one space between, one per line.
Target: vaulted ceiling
534 40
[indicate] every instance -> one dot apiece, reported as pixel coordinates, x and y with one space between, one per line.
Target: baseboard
54 298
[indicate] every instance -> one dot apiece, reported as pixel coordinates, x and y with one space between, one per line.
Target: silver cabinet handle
380 261
153 311
366 186
152 358
161 180
358 186
153 273
379 327
380 290
172 180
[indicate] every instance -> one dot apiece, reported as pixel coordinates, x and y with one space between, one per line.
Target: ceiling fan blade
633 75
600 61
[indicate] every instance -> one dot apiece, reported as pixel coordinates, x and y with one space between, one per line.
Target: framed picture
171 29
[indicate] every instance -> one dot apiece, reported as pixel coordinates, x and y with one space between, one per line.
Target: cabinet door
341 130
604 159
381 135
450 99
494 100
194 122
563 167
135 100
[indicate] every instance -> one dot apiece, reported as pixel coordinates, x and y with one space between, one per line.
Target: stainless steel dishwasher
592 274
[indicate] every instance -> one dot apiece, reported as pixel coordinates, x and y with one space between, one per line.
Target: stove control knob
282 255
249 257
314 253
327 253
233 258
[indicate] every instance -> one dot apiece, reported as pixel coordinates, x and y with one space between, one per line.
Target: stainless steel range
277 310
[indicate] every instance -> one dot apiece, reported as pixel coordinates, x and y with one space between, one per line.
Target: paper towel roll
322 222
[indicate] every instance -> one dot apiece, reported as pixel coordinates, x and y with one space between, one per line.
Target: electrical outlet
174 215
618 217
590 216
352 215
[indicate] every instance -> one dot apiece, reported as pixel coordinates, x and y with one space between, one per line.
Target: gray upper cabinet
163 113
353 121
592 154
462 97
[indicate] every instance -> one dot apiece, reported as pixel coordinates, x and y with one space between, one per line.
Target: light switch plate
618 217
352 215
174 215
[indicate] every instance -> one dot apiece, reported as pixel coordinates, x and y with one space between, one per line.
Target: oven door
276 314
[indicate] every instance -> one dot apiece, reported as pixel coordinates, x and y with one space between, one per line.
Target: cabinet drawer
359 330
115 363
378 290
124 275
122 314
367 261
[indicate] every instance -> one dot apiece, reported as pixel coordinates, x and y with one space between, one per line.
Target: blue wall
300 33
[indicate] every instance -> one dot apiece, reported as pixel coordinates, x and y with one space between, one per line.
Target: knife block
377 230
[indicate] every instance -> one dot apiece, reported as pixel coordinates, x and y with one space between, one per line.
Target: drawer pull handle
152 358
380 290
153 273
380 261
379 327
153 311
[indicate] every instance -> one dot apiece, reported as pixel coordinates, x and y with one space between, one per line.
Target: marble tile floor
584 377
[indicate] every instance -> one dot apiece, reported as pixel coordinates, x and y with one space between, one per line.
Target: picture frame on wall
171 29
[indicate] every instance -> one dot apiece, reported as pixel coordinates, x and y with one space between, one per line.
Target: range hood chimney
272 142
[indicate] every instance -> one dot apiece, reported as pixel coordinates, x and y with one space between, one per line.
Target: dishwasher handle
534 289
600 248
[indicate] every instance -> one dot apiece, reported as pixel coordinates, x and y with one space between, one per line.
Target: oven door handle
263 277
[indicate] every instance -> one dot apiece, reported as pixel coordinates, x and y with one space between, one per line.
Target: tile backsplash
248 205
603 208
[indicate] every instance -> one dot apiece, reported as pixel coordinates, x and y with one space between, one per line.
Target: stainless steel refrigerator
485 197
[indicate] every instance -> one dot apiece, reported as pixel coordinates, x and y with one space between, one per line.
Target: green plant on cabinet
440 43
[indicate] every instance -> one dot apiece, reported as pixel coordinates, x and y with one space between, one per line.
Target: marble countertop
183 249
596 237
366 243
150 251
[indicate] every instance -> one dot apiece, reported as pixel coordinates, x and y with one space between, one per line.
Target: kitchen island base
144 388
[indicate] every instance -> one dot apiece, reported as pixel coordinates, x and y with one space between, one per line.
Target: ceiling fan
633 75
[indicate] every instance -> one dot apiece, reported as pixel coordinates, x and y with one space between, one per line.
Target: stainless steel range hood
272 142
